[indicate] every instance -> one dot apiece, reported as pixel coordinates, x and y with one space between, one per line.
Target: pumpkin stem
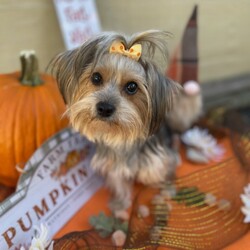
29 69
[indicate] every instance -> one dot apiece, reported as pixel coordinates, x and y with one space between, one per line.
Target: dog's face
112 98
112 103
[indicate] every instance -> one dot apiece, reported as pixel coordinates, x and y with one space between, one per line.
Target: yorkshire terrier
119 99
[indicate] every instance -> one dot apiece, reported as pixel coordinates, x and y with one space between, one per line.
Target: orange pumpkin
31 109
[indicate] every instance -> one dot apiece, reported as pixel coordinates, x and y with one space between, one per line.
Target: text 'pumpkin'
31 110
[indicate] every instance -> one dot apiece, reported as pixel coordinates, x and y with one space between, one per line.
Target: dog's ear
162 91
68 66
62 67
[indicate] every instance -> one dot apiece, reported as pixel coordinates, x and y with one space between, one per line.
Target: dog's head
115 93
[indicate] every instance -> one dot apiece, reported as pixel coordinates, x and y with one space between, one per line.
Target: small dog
118 98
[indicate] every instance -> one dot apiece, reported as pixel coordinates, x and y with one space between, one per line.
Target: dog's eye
96 78
131 88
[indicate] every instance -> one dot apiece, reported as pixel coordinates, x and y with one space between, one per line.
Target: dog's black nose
105 109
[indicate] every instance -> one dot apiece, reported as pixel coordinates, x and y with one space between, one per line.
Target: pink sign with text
78 20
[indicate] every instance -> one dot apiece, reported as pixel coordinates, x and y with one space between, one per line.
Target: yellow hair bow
134 52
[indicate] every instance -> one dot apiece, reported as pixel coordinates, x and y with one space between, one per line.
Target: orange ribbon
134 52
